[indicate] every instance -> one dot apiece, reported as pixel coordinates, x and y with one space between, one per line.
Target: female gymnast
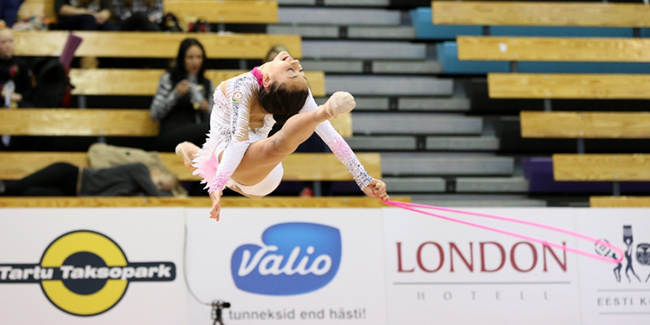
238 153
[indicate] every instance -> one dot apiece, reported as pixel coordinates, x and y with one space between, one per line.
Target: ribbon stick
415 208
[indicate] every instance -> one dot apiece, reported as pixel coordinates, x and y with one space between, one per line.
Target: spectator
138 15
14 72
183 101
64 179
9 11
83 15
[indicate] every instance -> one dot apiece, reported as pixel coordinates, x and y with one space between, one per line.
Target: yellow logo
85 273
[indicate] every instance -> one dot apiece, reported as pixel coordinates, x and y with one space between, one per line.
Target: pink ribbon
414 207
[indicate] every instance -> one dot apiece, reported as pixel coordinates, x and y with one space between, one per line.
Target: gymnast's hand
216 207
376 189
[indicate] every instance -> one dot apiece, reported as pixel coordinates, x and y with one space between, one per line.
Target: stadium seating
298 166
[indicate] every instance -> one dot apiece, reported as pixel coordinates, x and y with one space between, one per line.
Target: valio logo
295 258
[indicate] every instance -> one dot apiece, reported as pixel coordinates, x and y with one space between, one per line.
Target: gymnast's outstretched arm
371 187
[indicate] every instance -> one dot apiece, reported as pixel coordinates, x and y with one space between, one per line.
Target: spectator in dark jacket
83 15
14 72
183 101
64 179
138 15
9 11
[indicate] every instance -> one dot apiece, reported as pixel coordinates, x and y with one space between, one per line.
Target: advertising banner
441 272
92 266
616 293
320 266
287 266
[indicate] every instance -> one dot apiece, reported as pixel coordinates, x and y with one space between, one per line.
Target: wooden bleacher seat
99 122
619 202
153 45
297 167
540 14
242 12
601 167
569 86
144 82
613 125
78 122
195 202
553 49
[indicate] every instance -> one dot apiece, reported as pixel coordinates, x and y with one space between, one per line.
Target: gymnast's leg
264 155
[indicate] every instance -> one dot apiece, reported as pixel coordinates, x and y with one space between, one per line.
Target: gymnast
238 153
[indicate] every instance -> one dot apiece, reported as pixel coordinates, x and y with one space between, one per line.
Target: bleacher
560 66
447 94
126 122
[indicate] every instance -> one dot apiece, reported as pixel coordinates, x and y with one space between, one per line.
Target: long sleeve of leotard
239 92
339 147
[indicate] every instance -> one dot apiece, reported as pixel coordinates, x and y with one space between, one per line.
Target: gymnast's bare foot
187 151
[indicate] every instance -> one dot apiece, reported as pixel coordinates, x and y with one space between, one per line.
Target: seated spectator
183 101
138 15
9 11
14 72
64 179
83 15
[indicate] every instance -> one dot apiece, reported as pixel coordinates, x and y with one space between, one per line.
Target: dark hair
278 99
178 71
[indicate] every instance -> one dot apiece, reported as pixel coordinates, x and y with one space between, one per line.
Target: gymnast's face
285 69
6 44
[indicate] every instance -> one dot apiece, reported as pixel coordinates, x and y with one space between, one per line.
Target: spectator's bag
51 83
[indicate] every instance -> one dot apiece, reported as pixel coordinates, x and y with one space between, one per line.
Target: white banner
288 266
91 266
616 293
441 272
319 266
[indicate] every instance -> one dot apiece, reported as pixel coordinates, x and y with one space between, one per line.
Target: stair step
433 104
491 185
368 66
471 201
362 50
385 143
339 16
483 143
344 32
415 185
415 123
404 164
426 104
389 85
305 31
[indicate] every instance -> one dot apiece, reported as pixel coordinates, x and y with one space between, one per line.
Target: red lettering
470 264
399 260
501 250
562 265
442 257
514 261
